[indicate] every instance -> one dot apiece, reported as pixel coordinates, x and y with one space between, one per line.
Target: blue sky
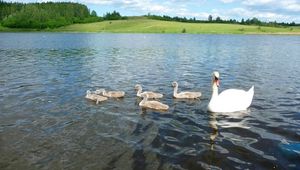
266 10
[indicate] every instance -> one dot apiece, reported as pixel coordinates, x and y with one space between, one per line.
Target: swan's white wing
232 94
234 100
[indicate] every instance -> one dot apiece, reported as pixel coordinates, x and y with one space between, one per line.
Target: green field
144 25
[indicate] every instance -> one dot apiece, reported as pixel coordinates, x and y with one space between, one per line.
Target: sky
265 10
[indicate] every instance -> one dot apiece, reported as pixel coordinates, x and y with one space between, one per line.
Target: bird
230 100
95 97
184 95
151 95
152 104
114 94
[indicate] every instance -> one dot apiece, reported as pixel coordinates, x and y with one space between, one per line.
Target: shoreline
78 32
149 26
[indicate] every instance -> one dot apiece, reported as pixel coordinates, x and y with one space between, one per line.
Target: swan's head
138 87
174 84
216 78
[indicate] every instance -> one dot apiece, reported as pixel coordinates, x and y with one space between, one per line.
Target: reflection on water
237 120
46 123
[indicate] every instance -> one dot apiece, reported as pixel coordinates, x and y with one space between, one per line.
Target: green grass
144 25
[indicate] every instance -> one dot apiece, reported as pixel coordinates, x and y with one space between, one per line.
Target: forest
44 15
250 21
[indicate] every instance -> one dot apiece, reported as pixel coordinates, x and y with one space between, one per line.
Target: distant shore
144 25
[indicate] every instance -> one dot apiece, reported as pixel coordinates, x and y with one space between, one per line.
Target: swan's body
230 100
152 104
95 97
184 95
114 94
151 95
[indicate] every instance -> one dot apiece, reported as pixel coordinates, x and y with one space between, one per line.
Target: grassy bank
144 25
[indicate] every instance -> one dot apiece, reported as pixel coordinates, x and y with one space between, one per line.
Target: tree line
44 15
252 21
113 16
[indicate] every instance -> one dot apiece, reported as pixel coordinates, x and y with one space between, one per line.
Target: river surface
46 122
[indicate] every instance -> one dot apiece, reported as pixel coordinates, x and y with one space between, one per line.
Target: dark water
46 123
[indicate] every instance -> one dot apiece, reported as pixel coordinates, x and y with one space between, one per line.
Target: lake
46 122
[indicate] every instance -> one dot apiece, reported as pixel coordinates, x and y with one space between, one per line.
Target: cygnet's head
174 84
138 87
99 91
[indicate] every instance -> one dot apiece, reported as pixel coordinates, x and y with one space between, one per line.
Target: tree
210 18
93 13
292 24
112 16
218 19
255 21
243 21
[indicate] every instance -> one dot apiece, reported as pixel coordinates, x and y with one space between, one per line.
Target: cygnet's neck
139 91
88 93
143 101
175 90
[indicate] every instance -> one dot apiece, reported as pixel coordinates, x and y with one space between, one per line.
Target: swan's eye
216 78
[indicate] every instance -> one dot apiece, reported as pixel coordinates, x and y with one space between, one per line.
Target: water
46 123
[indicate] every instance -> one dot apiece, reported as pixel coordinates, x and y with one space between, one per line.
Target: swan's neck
215 91
175 90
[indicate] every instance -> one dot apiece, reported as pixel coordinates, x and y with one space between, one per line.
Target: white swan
114 94
151 95
95 97
230 100
184 95
152 104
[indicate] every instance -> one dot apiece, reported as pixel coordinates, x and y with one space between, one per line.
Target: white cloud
140 5
227 1
186 13
101 2
257 14
261 15
170 7
291 5
275 5
257 2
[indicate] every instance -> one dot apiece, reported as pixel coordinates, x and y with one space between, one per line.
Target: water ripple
46 123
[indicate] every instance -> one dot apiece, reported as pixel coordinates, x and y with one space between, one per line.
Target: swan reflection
227 120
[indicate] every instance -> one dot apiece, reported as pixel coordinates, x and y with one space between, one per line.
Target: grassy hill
144 25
